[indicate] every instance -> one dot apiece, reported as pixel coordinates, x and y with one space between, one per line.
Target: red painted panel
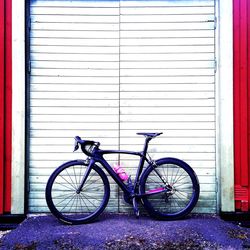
8 106
248 70
1 105
241 39
5 105
236 53
243 92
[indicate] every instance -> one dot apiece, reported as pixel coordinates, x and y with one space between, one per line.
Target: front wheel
170 189
67 203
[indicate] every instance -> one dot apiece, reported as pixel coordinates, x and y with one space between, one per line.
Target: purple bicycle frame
97 156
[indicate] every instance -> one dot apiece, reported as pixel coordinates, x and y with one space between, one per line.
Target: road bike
78 191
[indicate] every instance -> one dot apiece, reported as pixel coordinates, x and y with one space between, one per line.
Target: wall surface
242 103
18 107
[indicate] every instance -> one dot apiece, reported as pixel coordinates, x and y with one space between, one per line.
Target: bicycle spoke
160 178
176 175
97 199
63 195
77 198
63 185
89 201
181 193
67 197
81 203
68 182
91 190
82 199
75 175
163 169
180 200
67 203
73 202
70 177
88 184
80 174
181 178
182 184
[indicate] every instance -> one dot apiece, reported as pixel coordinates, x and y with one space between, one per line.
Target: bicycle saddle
151 135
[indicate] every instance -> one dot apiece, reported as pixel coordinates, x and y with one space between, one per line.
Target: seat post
142 160
145 148
149 137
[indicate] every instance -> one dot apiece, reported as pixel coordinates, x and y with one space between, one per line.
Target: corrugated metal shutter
107 69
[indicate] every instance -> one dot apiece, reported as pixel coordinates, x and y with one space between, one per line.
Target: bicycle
78 191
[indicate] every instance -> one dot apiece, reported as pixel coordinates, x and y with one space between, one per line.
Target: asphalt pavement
121 231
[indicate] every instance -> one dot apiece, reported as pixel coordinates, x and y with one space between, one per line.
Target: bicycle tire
70 207
173 195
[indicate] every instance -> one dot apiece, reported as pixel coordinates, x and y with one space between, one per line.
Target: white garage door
105 70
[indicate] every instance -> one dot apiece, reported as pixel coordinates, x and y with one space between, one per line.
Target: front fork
86 175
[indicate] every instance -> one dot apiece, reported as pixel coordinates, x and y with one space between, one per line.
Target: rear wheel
171 187
74 207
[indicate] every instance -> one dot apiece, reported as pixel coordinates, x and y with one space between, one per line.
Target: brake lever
76 146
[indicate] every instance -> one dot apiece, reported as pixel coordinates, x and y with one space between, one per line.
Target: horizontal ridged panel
167 63
105 70
75 73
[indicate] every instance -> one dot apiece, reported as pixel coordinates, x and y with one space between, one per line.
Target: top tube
103 152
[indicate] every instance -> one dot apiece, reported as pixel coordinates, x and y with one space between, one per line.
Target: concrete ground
120 231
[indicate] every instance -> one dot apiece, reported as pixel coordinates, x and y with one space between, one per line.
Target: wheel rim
72 205
171 189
